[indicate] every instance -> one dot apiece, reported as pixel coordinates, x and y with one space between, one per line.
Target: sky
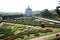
21 5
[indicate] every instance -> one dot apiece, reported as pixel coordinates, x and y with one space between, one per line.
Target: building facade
28 11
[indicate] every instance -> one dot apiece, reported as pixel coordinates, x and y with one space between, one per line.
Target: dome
28 9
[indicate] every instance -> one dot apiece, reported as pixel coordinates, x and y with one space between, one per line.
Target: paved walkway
44 37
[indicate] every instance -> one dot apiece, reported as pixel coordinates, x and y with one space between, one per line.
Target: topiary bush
49 30
11 37
42 31
36 34
20 36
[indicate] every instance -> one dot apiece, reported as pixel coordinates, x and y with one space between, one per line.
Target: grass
41 34
56 30
1 34
57 38
26 38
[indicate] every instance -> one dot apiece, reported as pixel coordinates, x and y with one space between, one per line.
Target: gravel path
44 37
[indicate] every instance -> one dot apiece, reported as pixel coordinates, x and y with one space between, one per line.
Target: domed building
28 11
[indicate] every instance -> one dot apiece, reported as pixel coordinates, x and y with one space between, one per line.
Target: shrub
20 36
39 30
11 37
28 35
49 30
4 36
43 31
36 34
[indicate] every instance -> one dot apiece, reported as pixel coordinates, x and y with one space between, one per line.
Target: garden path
44 37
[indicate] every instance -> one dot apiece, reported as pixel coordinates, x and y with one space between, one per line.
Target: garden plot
21 32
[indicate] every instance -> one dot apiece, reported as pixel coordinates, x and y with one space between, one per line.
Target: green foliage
25 21
58 11
46 14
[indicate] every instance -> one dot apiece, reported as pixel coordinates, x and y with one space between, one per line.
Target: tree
58 10
46 14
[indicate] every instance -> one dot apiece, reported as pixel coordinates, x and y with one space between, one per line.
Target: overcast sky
21 5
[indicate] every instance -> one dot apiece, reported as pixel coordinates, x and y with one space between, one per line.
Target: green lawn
41 34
